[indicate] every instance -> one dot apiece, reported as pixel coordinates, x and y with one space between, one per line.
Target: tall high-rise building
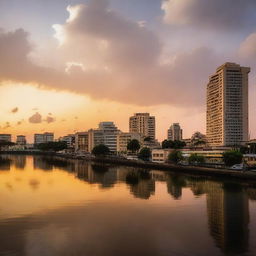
227 106
144 124
174 132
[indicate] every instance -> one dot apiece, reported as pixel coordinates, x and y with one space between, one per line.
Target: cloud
15 110
213 14
7 125
49 119
110 57
35 119
20 122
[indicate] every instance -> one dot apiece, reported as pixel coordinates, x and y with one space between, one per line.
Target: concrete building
174 132
21 140
160 155
227 106
69 139
6 137
95 137
43 137
110 132
144 124
123 139
81 142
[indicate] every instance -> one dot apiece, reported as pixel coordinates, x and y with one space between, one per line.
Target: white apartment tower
227 106
174 132
144 124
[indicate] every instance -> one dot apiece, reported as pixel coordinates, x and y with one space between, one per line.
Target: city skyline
47 85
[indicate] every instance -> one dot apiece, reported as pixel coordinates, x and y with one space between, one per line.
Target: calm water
56 207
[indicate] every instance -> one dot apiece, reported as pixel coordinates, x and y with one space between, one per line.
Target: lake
51 206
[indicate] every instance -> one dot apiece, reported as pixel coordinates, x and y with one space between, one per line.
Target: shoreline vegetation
190 169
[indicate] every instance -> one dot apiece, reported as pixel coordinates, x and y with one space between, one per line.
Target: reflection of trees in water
141 184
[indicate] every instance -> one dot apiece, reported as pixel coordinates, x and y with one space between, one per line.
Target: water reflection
122 226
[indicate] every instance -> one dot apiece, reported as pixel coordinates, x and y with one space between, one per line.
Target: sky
66 65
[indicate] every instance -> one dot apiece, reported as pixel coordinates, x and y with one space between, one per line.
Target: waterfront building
81 142
144 124
110 132
174 132
123 138
95 137
160 155
43 137
21 140
6 137
227 106
69 139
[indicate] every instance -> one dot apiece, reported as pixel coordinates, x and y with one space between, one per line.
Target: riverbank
198 170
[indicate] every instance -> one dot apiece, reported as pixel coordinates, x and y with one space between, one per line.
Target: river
56 207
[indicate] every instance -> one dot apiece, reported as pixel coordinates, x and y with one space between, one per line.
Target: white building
144 124
227 106
110 132
174 132
160 155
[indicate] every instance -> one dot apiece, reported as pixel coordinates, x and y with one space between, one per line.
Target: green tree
195 158
100 150
175 156
167 144
232 157
133 145
52 146
5 144
178 144
144 154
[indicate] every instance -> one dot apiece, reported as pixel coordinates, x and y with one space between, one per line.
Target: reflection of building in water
5 164
143 189
97 174
174 185
228 216
40 162
19 161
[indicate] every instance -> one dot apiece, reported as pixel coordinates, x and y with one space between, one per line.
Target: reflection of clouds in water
49 240
18 179
9 186
34 183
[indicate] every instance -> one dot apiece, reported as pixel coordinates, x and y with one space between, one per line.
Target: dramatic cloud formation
7 125
35 119
15 110
110 57
215 14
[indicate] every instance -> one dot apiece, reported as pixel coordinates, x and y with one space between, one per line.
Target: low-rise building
43 137
21 140
81 142
6 137
69 139
123 138
95 137
160 155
